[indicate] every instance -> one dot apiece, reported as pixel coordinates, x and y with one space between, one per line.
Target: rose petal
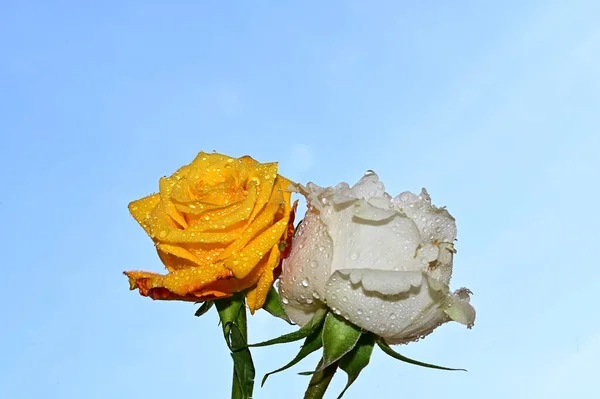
368 186
306 269
301 315
435 224
367 211
257 295
140 210
182 284
460 309
398 318
388 245
385 282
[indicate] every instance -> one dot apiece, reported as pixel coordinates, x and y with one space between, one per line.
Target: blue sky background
493 106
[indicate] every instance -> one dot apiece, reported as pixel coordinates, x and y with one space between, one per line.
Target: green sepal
339 338
230 309
357 359
306 330
274 306
389 351
205 307
312 343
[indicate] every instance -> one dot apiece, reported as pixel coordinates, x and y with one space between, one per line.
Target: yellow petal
140 210
265 174
244 261
256 296
165 186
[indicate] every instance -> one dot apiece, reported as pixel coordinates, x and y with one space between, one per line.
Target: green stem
320 381
232 312
236 390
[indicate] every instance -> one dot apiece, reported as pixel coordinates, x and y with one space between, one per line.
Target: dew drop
162 234
369 173
315 295
353 256
285 301
305 282
314 264
359 312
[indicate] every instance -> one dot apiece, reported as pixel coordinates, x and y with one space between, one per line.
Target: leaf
357 359
389 351
205 307
274 306
312 343
310 327
339 337
243 366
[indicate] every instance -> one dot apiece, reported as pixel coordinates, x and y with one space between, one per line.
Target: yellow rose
219 225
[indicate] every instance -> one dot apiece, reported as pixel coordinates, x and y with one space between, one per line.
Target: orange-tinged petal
181 283
140 209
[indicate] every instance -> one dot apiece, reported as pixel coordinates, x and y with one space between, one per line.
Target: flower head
218 224
382 263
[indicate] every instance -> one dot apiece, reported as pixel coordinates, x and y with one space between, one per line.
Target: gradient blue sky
493 106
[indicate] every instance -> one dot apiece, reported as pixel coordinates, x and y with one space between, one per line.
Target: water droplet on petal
305 282
285 301
353 256
369 172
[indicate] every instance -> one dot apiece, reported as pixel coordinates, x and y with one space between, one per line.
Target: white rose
382 263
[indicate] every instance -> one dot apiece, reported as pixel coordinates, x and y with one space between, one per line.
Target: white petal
368 186
308 266
435 224
413 313
367 211
460 309
385 282
301 315
342 195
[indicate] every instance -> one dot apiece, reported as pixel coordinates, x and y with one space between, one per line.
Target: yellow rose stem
232 312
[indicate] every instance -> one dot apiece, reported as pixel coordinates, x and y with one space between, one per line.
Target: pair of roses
223 225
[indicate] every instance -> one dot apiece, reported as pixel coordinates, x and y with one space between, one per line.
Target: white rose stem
320 381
